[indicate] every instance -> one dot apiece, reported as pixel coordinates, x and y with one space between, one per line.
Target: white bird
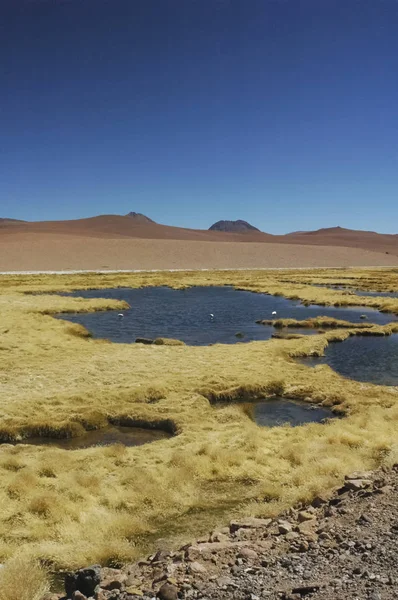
274 312
211 316
120 315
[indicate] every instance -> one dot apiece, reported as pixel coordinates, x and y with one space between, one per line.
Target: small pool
375 294
113 434
274 412
369 359
186 315
364 293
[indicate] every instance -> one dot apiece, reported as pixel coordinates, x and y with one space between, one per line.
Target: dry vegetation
69 508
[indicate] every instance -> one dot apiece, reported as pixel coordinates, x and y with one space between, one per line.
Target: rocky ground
344 546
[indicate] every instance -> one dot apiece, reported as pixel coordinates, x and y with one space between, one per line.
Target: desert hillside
136 242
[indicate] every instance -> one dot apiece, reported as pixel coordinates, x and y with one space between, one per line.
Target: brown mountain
238 226
139 217
123 242
5 221
116 227
349 238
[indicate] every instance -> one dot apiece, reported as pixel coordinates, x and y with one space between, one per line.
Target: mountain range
137 225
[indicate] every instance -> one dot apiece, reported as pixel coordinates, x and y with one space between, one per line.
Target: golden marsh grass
109 504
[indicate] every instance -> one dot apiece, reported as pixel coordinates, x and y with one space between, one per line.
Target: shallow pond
113 434
370 359
375 294
364 293
274 412
186 314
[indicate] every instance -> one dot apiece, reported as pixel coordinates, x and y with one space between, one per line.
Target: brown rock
217 536
304 546
250 523
196 568
225 581
291 536
114 583
305 516
133 591
307 528
248 554
357 484
359 475
306 589
320 500
284 527
168 592
78 596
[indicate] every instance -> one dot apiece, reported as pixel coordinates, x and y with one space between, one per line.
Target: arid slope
117 242
36 252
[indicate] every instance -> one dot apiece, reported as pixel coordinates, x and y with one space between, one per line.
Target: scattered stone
344 547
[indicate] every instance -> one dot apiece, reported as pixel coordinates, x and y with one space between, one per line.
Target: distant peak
238 226
139 217
7 220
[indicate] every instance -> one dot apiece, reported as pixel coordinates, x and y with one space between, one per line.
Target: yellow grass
108 505
313 323
22 579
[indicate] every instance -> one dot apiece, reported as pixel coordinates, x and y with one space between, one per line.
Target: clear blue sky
280 112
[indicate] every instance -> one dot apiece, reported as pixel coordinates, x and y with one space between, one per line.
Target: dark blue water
371 359
185 315
275 412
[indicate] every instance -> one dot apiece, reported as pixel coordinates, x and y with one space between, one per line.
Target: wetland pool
274 412
371 359
107 436
186 314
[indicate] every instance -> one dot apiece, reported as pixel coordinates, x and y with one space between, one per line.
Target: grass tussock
23 579
315 323
117 501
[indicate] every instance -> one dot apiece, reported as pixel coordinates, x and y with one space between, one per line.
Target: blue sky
280 112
